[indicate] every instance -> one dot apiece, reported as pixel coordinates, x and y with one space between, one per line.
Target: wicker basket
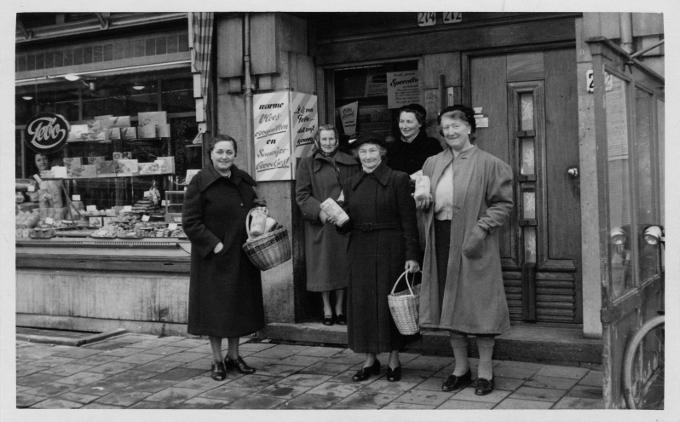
268 250
404 306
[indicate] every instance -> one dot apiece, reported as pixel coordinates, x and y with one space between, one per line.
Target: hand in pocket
474 243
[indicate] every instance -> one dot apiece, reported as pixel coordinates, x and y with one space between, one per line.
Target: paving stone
255 402
276 369
253 382
98 359
23 370
284 391
225 393
562 371
511 403
26 400
56 360
407 406
131 376
346 358
586 392
82 378
310 380
56 404
66 370
545 394
95 405
250 348
593 378
160 365
364 400
109 345
335 389
430 384
505 383
540 381
188 356
99 388
203 403
179 374
579 403
76 353
493 397
50 389
301 361
280 351
464 404
123 399
383 386
139 358
36 379
154 405
201 383
173 394
507 369
346 377
80 398
149 385
327 368
309 401
429 363
320 351
111 368
203 364
432 399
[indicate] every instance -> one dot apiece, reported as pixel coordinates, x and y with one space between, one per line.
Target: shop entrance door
530 102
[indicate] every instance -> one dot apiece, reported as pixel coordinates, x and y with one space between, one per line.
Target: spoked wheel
643 366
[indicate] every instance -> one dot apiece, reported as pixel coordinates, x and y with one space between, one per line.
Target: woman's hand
423 203
218 248
323 216
411 266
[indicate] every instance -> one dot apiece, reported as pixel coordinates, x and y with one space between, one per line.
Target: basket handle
408 283
248 216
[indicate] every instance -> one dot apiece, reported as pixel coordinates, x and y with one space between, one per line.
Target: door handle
573 172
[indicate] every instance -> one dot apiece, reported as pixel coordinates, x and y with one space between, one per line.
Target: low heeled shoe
454 382
393 374
217 371
483 386
239 365
366 372
341 320
327 320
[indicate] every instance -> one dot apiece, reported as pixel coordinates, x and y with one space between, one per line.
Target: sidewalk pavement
141 371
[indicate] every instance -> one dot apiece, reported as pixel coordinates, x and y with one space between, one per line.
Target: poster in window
402 88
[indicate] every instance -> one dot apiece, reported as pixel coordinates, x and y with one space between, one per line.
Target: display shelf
117 176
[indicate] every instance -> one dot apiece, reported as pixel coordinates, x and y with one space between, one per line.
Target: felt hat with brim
367 138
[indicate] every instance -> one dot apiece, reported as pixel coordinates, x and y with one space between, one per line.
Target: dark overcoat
409 157
225 290
383 235
474 298
316 179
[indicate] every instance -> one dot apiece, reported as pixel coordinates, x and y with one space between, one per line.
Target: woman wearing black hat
462 291
414 146
383 243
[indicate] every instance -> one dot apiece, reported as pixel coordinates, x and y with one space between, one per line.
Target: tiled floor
144 371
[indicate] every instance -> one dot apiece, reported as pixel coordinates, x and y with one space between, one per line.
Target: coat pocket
473 245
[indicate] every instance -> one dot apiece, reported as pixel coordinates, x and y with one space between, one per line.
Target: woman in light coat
470 199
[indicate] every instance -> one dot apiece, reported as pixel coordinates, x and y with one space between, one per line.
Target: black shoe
483 386
239 365
457 382
393 374
340 319
366 372
217 371
328 320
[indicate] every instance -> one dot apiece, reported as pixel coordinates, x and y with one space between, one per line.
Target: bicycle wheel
651 332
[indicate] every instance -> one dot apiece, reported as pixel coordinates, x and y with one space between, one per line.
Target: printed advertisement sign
47 132
402 88
285 124
348 117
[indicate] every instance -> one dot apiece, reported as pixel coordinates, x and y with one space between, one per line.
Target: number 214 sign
430 18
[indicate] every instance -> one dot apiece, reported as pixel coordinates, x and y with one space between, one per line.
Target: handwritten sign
402 88
305 119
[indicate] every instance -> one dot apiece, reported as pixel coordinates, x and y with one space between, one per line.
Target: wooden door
530 101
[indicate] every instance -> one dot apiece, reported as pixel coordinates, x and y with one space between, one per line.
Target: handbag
404 306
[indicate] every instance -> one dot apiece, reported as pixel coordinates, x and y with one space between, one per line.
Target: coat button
241 204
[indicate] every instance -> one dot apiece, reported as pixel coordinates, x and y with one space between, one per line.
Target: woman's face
456 133
41 162
327 141
223 155
370 156
408 124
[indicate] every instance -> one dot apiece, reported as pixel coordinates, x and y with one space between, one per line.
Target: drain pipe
626 29
248 94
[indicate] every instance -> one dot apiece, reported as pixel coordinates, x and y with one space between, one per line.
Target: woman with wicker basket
317 179
383 243
225 290
462 291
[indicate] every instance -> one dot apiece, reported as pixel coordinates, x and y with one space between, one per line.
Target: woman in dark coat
318 178
383 243
410 151
462 292
225 291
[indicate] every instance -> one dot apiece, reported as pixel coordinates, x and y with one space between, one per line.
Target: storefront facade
544 85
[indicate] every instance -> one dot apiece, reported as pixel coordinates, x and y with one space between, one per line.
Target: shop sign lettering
47 132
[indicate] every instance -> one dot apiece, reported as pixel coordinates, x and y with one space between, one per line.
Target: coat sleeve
406 208
498 195
202 239
309 205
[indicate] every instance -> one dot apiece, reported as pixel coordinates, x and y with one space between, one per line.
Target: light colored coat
474 298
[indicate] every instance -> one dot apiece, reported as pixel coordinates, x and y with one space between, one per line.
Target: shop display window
130 145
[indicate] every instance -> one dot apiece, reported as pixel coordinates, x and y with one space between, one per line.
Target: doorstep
63 337
522 342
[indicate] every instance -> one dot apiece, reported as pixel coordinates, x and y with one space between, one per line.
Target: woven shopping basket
404 306
269 249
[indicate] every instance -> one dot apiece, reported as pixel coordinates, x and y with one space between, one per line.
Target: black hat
367 138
